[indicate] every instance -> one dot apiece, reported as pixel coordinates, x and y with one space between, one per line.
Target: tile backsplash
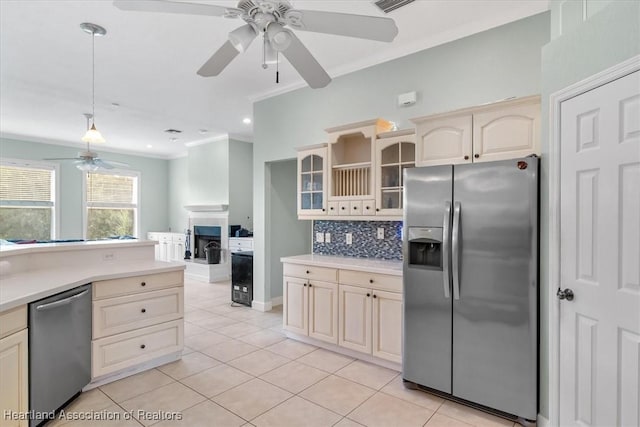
365 243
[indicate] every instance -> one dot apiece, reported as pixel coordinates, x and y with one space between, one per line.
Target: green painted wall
492 65
241 183
580 48
178 194
154 181
208 173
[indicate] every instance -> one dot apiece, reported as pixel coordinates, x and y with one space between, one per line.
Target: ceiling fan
88 160
270 18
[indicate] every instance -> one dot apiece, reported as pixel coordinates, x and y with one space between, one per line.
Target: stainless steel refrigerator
471 283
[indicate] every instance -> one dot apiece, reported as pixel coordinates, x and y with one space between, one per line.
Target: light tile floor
238 369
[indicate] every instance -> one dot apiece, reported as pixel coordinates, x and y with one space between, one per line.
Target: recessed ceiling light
149 146
246 121
173 131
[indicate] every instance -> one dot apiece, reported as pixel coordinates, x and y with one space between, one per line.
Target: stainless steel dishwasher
59 349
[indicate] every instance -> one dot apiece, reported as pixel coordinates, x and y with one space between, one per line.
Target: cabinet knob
355 207
370 280
144 310
143 346
342 208
368 295
304 284
375 296
331 208
307 271
377 210
143 284
310 285
324 210
477 156
366 207
466 157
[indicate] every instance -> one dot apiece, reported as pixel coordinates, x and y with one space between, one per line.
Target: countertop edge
15 250
370 265
83 279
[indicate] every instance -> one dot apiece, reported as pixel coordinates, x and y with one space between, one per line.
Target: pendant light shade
279 37
92 135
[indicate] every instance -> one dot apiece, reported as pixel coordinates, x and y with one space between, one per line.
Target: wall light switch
327 237
349 238
380 233
320 237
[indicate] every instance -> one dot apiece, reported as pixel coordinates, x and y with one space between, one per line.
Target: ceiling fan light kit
269 17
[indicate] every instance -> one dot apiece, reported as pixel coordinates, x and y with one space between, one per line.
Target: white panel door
295 303
354 318
600 256
323 311
444 141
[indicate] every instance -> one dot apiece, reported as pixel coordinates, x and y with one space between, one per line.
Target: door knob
565 294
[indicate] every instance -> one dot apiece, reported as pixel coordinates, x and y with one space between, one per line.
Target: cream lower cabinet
14 371
370 313
310 306
135 320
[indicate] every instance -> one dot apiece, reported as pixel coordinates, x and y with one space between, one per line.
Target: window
111 204
27 200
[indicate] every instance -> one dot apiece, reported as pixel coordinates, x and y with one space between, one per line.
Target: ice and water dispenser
425 247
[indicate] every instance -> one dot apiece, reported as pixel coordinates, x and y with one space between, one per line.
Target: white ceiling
147 64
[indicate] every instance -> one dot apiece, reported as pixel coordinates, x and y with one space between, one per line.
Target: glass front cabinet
395 152
312 181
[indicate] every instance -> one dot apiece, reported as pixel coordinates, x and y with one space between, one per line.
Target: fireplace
208 223
202 236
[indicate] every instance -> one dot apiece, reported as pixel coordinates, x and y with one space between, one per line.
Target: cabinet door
14 393
165 251
444 141
295 303
312 182
354 318
323 311
507 133
393 156
387 325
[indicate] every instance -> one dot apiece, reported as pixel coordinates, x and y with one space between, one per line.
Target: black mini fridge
242 277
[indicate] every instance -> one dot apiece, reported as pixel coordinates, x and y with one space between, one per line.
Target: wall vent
390 5
173 131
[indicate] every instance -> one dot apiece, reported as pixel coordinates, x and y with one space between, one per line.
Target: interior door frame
555 100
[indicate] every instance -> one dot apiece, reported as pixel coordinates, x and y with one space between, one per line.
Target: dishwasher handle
65 301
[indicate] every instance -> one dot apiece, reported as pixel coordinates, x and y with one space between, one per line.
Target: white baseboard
542 422
276 301
261 306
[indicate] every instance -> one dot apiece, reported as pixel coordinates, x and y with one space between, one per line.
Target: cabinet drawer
383 282
122 351
355 207
240 244
368 207
13 321
178 238
136 284
115 315
311 272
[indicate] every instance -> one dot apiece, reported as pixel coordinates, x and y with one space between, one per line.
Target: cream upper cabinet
395 152
312 181
355 318
14 391
387 321
444 140
498 131
507 132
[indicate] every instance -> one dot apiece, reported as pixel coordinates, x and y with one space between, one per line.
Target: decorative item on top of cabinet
351 153
498 131
395 152
312 180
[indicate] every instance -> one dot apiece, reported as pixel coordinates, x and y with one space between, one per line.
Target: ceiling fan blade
110 164
102 164
219 60
172 7
304 62
343 24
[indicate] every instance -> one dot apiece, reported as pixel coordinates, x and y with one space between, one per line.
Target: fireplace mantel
207 208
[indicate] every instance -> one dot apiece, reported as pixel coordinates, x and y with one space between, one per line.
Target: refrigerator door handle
446 232
455 250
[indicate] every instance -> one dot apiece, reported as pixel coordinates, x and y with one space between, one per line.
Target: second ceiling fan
270 18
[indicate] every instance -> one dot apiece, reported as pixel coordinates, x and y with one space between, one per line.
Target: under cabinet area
136 319
498 131
14 369
354 310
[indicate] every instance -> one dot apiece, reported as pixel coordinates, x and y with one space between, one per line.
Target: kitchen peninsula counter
31 272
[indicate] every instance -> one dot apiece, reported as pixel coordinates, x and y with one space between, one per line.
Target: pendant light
93 135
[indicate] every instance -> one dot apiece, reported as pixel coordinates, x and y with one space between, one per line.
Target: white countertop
11 250
371 265
23 288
